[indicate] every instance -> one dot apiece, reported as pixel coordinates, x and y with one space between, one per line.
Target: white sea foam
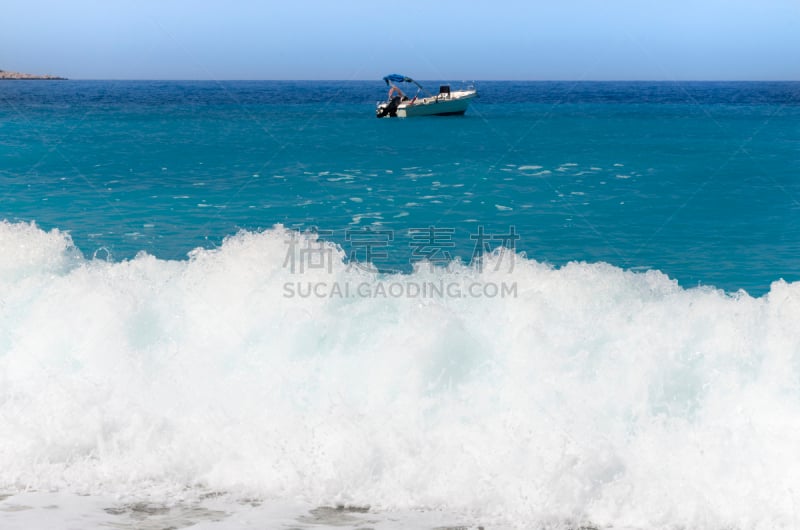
596 395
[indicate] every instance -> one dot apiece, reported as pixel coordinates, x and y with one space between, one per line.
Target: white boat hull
441 105
446 104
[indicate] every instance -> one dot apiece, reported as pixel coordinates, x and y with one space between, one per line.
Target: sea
252 304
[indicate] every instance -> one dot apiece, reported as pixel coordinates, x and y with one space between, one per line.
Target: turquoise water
171 352
697 180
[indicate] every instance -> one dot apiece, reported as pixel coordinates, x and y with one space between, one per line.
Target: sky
438 39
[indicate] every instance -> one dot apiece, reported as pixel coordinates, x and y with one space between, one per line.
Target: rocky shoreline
17 75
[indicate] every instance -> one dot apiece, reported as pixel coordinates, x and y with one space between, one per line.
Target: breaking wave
592 394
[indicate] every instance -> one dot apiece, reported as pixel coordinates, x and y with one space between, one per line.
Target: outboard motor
389 109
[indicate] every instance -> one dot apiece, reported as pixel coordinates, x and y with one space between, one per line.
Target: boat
446 103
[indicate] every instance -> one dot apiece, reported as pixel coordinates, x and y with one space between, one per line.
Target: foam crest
28 250
593 395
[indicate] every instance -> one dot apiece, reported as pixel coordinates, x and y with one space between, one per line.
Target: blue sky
438 39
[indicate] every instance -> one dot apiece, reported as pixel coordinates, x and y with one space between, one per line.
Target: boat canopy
397 78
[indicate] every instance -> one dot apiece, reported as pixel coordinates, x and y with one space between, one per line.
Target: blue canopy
397 78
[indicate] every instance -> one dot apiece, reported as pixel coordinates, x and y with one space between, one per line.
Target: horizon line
288 80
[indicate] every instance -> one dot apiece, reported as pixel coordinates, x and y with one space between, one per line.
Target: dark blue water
698 180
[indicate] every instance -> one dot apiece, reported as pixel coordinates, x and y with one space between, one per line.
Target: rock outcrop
17 75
